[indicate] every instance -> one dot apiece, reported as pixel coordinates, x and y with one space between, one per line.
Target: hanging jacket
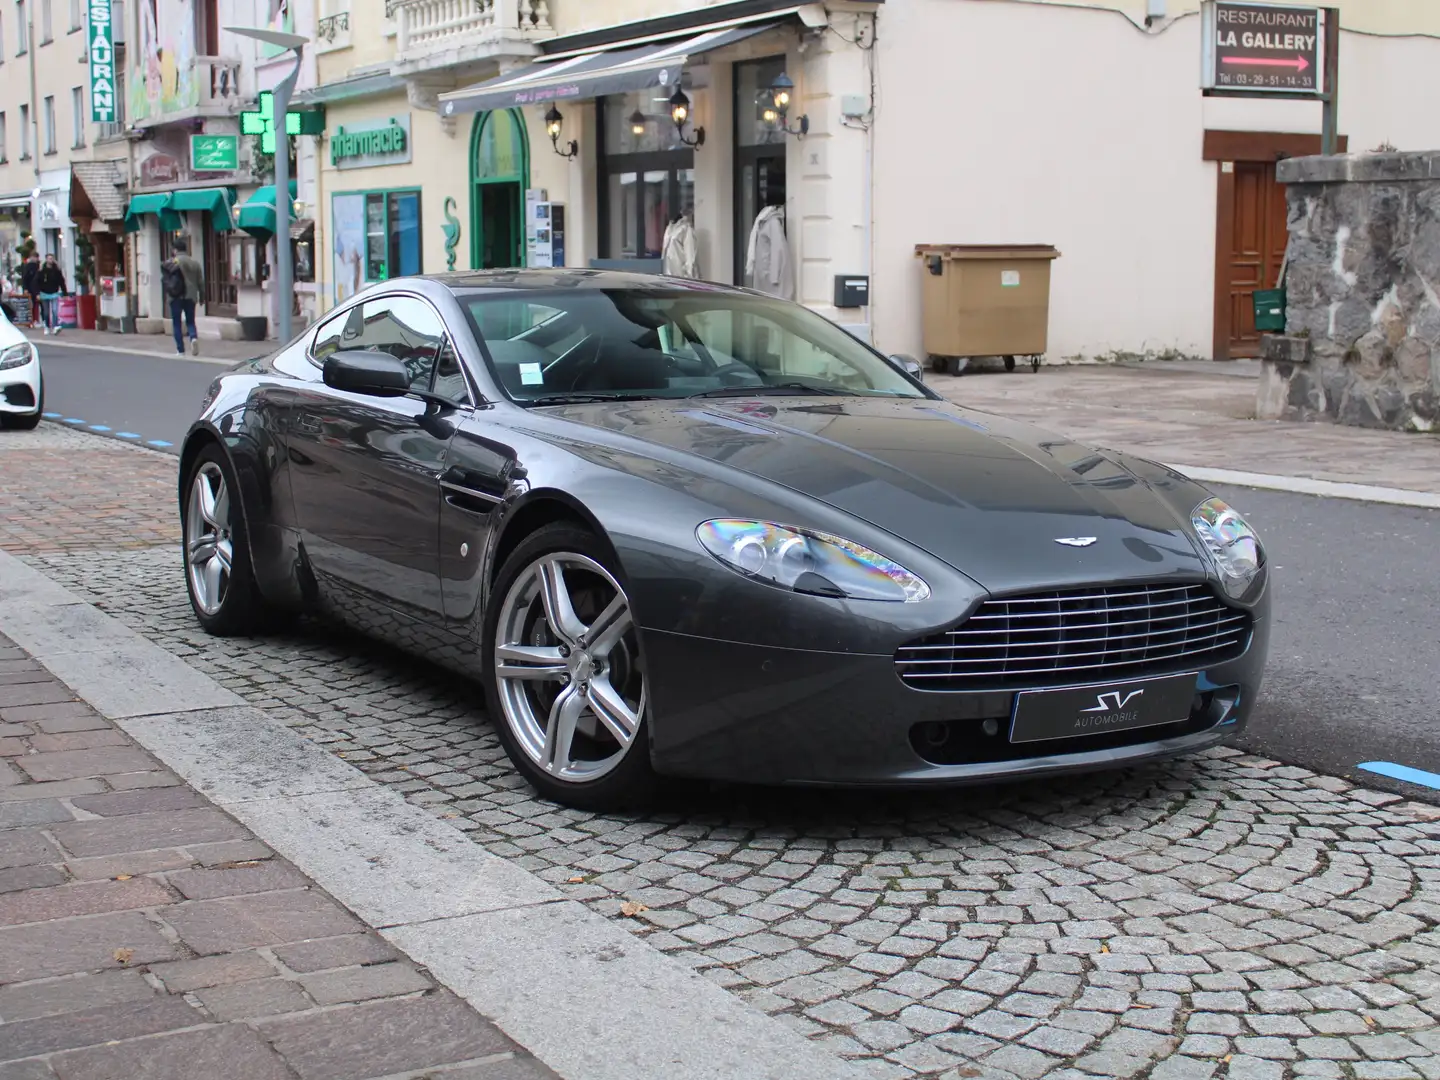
767 260
678 252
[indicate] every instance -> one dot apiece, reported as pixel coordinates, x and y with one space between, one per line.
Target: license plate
1099 710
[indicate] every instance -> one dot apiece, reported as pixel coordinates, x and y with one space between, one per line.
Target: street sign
1263 49
214 153
102 63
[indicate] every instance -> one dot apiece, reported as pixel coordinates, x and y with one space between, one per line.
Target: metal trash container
986 300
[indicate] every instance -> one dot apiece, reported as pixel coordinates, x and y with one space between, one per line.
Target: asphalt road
152 398
1356 643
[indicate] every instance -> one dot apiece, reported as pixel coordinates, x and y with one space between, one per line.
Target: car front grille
1076 636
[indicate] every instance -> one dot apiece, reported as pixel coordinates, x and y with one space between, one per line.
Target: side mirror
909 365
367 371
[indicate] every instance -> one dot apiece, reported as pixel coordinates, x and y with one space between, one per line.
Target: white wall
1003 122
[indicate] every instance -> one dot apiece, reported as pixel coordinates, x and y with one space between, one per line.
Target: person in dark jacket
28 273
50 285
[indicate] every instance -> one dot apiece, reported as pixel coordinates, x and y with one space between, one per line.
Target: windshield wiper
771 388
587 399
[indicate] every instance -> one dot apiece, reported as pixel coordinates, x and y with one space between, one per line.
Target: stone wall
1362 329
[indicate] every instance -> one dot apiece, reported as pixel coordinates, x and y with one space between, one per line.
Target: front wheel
566 683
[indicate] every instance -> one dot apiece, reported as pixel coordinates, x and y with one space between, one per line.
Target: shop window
244 260
392 234
759 153
647 175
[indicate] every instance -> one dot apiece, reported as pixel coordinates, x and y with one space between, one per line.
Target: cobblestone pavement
1219 916
1184 416
143 932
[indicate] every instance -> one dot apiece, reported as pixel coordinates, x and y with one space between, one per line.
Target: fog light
991 727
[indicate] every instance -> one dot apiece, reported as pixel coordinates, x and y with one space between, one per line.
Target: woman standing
50 284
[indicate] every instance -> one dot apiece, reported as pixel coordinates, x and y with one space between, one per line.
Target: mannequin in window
767 257
678 251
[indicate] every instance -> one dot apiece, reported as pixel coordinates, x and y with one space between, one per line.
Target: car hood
994 498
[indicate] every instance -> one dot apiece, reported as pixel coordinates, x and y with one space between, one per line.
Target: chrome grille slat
1047 638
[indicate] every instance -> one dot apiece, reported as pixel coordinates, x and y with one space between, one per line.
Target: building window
647 174
4 156
24 24
50 125
2 40
46 22
392 234
24 132
77 111
77 15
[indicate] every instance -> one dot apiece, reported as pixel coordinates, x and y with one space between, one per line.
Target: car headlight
1233 546
17 356
809 562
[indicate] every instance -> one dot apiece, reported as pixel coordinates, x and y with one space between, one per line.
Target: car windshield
597 344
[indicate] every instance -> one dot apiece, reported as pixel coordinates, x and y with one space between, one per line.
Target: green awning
157 203
216 200
257 214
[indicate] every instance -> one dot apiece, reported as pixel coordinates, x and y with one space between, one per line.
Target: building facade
63 176
908 122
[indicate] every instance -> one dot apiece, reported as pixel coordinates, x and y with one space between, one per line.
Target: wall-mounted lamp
775 107
553 123
637 123
680 113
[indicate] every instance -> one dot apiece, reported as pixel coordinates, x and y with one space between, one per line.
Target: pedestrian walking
49 287
28 273
183 281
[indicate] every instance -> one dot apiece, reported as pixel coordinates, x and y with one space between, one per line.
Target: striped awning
616 70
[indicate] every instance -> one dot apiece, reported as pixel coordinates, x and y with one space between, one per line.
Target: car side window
408 329
330 337
449 378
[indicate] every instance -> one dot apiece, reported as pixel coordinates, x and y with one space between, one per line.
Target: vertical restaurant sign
102 63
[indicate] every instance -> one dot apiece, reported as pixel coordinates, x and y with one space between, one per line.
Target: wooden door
1257 248
221 295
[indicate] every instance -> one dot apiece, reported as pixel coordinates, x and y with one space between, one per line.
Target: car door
366 470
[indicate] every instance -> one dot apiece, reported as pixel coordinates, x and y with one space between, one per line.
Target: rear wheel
566 684
1009 363
219 576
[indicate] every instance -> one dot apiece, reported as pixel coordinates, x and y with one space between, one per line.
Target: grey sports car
676 528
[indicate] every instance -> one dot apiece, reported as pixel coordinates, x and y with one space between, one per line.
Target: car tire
219 532
525 703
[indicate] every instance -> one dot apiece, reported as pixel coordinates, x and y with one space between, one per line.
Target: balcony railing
333 32
219 82
426 26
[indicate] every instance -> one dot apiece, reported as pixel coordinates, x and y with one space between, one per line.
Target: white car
22 396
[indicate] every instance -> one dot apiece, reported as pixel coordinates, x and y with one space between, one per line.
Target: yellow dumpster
986 300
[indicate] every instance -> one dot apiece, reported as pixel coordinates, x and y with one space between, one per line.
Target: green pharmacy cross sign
261 122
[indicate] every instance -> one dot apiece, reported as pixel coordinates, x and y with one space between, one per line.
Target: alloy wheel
209 548
567 667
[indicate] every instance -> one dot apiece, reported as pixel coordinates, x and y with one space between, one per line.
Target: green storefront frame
499 178
395 205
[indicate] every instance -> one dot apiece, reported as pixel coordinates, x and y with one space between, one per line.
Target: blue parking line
1403 772
73 420
127 435
51 415
98 427
158 442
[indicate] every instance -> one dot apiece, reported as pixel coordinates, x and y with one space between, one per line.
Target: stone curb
574 988
1304 485
217 360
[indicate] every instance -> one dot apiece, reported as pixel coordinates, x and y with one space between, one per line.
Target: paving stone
76 945
90 1027
1021 1061
37 876
142 832
364 983
26 847
1336 1049
256 998
1252 1068
236 881
1058 1041
144 801
927 1021
78 764
34 812
65 901
1184 1068
229 925
218 1052
28 1001
186 975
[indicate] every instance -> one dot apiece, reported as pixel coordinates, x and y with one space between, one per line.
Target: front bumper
20 389
729 711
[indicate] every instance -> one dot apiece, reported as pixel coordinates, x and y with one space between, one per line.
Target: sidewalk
213 349
143 932
1193 418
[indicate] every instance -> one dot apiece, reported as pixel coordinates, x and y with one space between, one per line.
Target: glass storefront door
647 175
759 153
